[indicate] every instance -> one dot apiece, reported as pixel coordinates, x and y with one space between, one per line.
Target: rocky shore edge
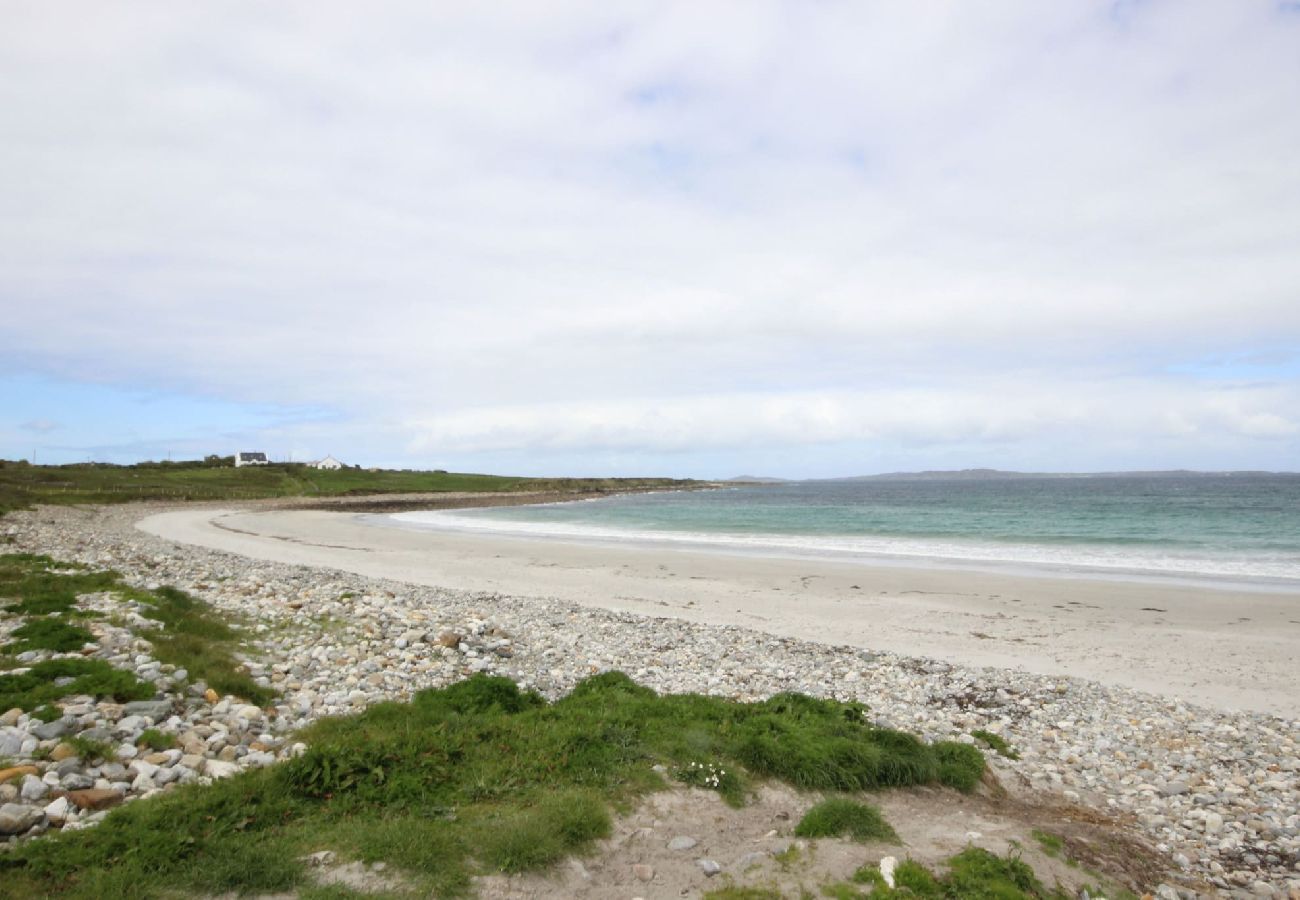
1217 792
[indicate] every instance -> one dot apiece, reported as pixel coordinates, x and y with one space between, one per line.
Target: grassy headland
23 485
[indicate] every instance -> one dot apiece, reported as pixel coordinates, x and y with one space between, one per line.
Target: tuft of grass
732 892
40 684
973 874
960 765
1052 844
842 817
154 739
89 749
537 837
996 743
49 634
978 873
46 713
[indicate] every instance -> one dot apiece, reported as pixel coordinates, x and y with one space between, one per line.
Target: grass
47 681
49 634
973 874
41 586
89 749
478 776
154 739
190 634
960 765
22 484
1052 844
842 817
192 637
996 743
732 892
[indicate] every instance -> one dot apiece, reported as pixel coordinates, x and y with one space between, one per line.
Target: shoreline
1211 647
774 548
1214 793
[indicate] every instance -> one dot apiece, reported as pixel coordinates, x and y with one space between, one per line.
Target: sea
1239 528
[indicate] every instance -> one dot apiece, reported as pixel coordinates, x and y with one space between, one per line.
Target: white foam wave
1283 570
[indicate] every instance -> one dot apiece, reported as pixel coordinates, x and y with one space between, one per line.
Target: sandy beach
1224 648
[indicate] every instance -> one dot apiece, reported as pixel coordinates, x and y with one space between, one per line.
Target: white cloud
585 226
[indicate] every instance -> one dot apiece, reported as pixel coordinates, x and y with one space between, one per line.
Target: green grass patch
478 776
996 743
89 749
1052 844
732 892
190 634
40 586
193 637
154 739
973 874
49 634
842 817
47 681
46 713
960 765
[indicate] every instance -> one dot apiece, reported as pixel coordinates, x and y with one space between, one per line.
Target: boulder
17 772
15 818
94 798
153 709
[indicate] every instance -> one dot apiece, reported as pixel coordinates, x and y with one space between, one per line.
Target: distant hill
1002 475
755 479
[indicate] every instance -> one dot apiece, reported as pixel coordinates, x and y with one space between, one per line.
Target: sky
801 239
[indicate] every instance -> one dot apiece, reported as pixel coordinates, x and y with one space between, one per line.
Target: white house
328 462
244 458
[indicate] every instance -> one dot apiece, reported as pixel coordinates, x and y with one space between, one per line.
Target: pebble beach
1216 792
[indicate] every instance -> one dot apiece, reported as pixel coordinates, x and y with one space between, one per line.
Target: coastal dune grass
844 817
475 777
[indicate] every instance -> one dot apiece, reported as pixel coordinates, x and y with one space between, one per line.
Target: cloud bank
586 236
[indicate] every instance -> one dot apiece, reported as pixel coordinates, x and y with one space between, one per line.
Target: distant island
1002 475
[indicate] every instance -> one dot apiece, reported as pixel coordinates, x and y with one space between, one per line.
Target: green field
23 485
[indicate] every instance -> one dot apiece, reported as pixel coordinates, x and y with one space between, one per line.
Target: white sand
1230 649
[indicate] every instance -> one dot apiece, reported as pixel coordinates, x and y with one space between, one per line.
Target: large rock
50 730
216 768
15 818
57 812
33 788
94 798
17 772
11 742
62 752
10 718
154 709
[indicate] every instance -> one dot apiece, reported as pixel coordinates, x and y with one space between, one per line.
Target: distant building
328 462
245 458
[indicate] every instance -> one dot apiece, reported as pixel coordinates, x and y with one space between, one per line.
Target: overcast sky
799 239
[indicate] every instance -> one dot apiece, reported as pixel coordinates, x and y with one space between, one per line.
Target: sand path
1231 649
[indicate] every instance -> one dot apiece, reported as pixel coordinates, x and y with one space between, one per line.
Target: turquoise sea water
1241 527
